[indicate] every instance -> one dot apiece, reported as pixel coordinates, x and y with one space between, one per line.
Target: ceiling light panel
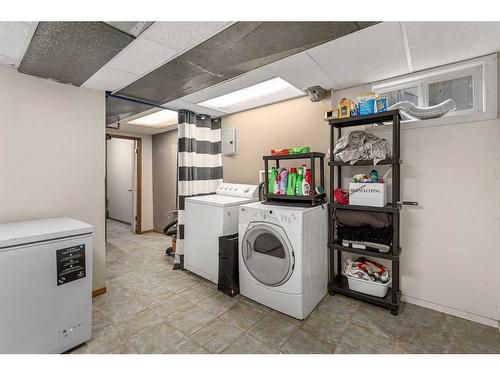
245 80
157 119
267 92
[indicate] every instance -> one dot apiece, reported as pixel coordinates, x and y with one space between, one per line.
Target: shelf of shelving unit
391 301
363 163
337 282
354 250
355 207
312 199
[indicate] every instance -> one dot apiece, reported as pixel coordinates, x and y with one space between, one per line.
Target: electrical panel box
230 141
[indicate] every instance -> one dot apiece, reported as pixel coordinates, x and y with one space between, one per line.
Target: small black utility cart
314 198
337 282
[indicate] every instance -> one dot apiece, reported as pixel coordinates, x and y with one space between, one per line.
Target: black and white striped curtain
199 163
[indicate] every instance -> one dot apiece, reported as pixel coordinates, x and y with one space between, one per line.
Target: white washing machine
208 217
283 256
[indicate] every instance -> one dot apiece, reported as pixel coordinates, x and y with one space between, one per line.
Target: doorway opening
124 180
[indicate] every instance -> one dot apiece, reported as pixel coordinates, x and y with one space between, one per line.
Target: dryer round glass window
267 254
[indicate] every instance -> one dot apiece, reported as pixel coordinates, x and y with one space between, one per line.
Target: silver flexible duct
411 111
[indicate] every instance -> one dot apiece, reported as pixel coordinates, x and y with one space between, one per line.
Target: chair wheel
395 312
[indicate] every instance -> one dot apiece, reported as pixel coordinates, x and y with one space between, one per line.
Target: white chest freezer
45 285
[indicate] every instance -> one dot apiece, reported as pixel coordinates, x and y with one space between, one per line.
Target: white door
120 179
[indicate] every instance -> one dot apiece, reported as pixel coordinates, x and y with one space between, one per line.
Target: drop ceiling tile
141 56
182 35
369 55
181 104
302 71
119 110
6 60
437 43
14 38
109 79
71 52
134 28
248 79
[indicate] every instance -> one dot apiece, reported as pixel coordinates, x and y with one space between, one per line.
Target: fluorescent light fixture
157 119
267 92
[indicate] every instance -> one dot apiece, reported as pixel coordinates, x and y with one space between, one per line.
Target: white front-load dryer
283 256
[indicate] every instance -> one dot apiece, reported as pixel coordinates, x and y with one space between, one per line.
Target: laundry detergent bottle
306 182
292 179
283 183
272 181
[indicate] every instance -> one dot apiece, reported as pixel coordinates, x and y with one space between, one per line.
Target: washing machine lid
24 232
267 254
220 200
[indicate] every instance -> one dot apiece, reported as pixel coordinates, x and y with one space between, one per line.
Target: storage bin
372 288
367 194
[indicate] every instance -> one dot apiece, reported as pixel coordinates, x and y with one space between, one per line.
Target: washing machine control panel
238 190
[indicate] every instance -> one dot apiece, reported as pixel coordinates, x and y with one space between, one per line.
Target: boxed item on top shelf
367 194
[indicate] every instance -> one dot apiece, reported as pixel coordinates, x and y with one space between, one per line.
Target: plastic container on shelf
372 288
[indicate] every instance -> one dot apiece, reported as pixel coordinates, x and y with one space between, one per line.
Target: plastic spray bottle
292 179
306 182
272 181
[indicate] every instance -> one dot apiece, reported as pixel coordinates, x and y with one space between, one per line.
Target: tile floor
149 308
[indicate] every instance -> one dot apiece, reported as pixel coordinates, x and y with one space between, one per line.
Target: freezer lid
24 232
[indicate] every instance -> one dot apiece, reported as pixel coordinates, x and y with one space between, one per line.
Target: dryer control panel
238 190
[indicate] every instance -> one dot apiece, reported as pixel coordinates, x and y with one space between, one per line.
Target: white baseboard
452 311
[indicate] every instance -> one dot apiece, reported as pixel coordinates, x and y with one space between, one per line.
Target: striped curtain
199 163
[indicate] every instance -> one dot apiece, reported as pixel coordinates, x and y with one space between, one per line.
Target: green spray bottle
298 182
272 181
292 179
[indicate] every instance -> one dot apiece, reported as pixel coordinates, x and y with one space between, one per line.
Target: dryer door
267 254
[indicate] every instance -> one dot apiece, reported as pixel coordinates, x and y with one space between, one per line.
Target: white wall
120 159
52 160
147 177
451 243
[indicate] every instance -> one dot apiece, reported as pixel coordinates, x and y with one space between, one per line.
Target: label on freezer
70 264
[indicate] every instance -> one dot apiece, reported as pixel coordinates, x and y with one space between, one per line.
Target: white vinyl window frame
484 72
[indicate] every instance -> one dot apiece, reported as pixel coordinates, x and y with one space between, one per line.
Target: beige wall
292 123
164 177
147 177
52 154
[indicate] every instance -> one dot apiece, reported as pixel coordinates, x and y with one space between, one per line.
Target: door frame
138 173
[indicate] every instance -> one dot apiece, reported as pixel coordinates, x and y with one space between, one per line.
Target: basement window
471 84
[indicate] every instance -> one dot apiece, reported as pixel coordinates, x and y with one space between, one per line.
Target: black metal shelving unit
312 199
337 282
